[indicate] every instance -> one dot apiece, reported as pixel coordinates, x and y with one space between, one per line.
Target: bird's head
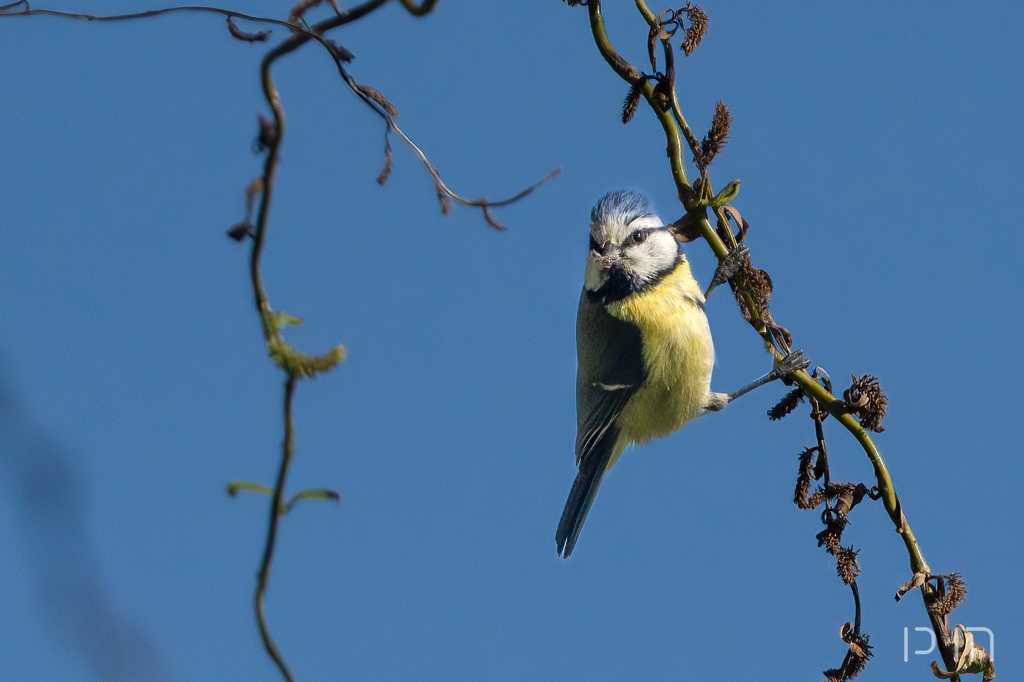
630 247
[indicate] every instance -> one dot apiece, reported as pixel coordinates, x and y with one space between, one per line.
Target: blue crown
621 205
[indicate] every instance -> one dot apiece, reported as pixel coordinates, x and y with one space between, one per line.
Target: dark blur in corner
47 497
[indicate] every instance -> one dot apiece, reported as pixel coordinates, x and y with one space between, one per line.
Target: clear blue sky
880 152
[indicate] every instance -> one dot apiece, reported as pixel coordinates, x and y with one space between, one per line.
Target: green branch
631 75
676 129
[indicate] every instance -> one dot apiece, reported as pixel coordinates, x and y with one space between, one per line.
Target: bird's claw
793 362
728 267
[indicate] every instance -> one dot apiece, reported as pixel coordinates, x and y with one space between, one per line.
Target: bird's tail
584 490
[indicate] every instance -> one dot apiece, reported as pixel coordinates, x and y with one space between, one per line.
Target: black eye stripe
636 237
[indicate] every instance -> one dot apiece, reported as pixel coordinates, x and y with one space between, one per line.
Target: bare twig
28 12
295 364
276 506
388 116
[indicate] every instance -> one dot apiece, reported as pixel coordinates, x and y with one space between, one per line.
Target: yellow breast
678 355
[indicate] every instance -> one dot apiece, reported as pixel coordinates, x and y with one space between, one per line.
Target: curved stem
276 506
270 331
274 146
269 171
626 71
670 70
673 123
837 409
649 16
856 624
691 139
819 434
142 15
856 604
630 74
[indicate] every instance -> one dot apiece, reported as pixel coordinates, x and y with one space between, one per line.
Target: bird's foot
728 267
793 362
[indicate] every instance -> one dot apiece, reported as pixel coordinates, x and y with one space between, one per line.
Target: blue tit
643 346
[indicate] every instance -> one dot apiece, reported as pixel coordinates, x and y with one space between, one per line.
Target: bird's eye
594 246
638 236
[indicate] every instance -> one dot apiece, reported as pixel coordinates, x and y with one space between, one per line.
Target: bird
644 348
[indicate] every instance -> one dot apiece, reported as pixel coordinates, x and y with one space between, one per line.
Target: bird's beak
609 258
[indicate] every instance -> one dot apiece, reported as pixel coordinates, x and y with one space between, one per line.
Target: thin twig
270 331
819 434
276 505
273 98
27 12
295 365
301 36
481 203
856 624
856 604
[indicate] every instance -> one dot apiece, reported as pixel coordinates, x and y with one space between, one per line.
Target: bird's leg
791 363
728 267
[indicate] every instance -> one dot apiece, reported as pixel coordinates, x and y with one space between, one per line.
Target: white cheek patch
639 262
654 256
644 261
